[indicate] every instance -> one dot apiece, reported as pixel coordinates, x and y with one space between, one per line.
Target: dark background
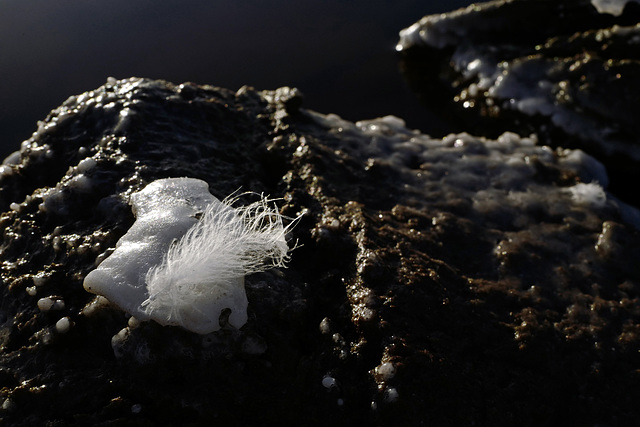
339 53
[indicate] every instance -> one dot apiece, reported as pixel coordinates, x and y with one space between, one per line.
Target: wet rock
559 69
452 281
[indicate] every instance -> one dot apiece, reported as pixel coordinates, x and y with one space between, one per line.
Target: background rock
559 69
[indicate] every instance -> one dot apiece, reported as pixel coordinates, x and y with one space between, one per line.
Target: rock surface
560 69
454 281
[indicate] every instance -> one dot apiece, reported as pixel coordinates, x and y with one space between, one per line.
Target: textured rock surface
455 281
560 69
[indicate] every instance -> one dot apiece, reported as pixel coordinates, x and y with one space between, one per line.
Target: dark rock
455 281
558 69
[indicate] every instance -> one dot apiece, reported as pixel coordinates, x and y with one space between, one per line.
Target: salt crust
613 7
163 214
495 177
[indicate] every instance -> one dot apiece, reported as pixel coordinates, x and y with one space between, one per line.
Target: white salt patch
133 322
386 370
86 165
364 314
39 279
443 30
325 326
63 325
5 170
81 183
95 306
472 64
614 7
45 304
48 303
164 212
591 194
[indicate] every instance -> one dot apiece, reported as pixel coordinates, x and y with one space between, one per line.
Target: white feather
203 273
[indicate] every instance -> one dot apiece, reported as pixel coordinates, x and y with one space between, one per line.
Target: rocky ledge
567 70
452 281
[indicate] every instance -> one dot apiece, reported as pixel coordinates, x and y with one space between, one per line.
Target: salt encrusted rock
454 281
557 68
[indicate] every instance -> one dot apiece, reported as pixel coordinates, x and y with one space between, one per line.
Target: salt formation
177 270
494 175
614 7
